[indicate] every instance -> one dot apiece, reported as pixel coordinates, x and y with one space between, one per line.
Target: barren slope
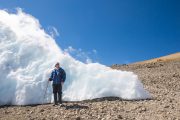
161 79
171 57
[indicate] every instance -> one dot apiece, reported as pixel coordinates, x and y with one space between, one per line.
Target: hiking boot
61 105
60 102
55 104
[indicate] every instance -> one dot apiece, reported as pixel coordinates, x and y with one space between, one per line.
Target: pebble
78 118
120 117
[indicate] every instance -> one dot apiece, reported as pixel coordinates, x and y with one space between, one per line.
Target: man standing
58 76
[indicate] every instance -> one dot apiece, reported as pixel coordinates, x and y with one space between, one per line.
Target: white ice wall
27 56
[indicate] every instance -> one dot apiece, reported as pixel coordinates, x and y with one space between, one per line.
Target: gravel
161 79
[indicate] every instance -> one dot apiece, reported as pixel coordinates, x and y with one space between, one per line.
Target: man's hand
62 83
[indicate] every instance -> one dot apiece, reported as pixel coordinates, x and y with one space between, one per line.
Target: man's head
57 65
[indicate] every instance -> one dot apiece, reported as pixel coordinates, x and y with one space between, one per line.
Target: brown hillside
171 57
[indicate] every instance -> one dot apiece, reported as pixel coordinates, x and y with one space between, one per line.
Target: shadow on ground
108 99
76 106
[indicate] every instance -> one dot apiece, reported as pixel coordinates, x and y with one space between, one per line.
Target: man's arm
51 76
63 77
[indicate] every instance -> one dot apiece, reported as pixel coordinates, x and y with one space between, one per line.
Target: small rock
175 75
31 112
31 118
167 106
42 110
78 118
18 113
6 112
142 109
120 117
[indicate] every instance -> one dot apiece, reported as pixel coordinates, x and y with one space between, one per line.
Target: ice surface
27 56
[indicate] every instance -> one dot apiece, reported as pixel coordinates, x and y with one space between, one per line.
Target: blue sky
121 31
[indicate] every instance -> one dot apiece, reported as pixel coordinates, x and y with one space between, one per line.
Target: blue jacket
58 76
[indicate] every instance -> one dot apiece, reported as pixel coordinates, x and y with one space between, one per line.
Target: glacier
27 56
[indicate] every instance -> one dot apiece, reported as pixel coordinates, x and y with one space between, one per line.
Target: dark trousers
57 91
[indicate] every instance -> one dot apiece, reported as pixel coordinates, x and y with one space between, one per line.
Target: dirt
161 79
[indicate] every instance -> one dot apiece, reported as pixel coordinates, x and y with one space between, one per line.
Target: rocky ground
161 79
